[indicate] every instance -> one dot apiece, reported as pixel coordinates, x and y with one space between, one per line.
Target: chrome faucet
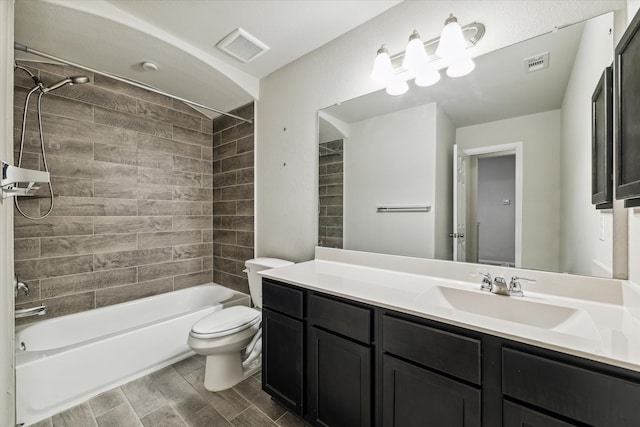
40 310
513 289
20 286
486 280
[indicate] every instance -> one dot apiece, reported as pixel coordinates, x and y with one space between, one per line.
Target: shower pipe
24 48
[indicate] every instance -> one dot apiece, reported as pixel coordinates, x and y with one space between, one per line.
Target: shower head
75 80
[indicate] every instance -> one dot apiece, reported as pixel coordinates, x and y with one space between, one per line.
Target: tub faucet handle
20 286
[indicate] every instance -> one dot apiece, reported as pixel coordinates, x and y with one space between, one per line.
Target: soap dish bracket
12 176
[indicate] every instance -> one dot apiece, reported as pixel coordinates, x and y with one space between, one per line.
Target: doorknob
455 235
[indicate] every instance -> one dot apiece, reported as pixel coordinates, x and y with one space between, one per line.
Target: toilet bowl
231 338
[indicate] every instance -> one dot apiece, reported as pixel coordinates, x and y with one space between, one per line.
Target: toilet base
223 371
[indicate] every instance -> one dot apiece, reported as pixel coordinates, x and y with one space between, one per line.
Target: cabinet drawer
340 317
282 298
519 416
581 394
447 352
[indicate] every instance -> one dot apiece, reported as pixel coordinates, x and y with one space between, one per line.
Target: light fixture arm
473 33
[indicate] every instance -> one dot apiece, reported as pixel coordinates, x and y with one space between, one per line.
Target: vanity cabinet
429 374
340 361
283 344
337 362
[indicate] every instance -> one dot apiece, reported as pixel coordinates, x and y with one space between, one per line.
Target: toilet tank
255 281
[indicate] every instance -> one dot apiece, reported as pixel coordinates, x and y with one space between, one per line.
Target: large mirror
493 167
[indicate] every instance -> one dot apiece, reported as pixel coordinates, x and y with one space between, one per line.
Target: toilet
231 338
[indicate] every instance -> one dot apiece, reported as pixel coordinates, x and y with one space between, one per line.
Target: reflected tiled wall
331 178
133 172
233 195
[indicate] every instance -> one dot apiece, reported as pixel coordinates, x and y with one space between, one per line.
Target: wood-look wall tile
240 253
245 238
164 177
245 176
79 168
186 108
132 122
207 208
207 153
125 293
192 136
207 236
60 306
116 154
26 248
240 161
237 132
168 238
227 265
192 223
246 111
237 223
34 292
207 263
99 97
168 115
237 283
154 192
73 187
207 126
238 192
57 105
30 207
225 150
114 189
51 267
79 245
225 208
52 226
192 251
78 283
133 91
131 258
245 207
192 165
193 279
226 236
167 146
132 224
224 122
225 179
207 181
150 159
246 144
166 269
80 206
152 207
194 194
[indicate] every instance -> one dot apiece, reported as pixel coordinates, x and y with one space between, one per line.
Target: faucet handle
486 280
514 286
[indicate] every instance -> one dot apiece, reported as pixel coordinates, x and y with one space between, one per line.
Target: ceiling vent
242 45
536 63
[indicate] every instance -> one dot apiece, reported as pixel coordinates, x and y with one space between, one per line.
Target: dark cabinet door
339 382
282 354
519 416
412 396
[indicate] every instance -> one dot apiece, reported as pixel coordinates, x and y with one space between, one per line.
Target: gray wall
133 172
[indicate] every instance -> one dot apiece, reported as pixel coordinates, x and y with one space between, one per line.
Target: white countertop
604 326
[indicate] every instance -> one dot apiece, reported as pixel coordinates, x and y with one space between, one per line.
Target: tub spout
40 310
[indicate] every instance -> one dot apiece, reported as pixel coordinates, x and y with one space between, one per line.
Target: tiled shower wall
233 194
331 179
133 175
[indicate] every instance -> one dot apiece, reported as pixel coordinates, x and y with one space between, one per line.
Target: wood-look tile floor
175 397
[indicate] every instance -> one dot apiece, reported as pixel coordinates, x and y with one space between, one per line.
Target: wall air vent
242 45
536 63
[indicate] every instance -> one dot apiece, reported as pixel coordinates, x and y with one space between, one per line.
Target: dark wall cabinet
336 362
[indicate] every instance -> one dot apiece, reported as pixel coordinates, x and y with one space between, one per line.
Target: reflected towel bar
407 208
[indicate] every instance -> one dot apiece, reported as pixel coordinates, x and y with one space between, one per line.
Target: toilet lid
226 322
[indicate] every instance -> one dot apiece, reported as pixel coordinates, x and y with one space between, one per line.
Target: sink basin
514 309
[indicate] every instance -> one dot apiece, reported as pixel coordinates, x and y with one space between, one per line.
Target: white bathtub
69 359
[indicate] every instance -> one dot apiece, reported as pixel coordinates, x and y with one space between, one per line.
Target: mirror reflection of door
495 213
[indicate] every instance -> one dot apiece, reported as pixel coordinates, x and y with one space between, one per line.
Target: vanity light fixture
419 58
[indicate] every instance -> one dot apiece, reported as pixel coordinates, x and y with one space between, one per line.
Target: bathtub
66 360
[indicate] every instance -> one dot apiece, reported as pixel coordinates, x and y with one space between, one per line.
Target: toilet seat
225 322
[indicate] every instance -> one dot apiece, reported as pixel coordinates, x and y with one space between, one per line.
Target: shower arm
24 48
